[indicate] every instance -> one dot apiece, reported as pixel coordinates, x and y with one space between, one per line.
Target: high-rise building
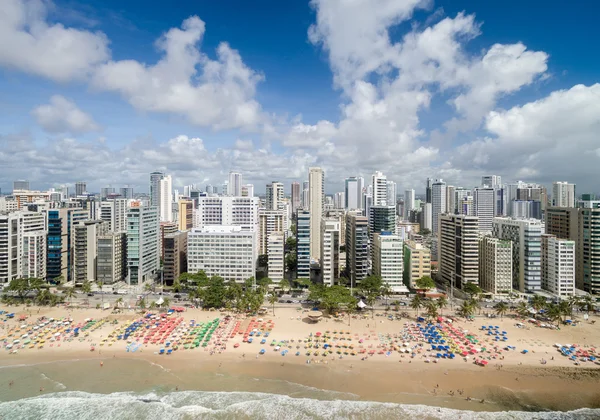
175 256
143 252
155 178
20 185
276 256
59 260
495 265
428 190
330 251
526 236
106 192
558 266
248 190
450 199
80 188
316 185
186 215
491 181
126 192
438 203
426 216
166 199
22 234
563 194
459 195
234 186
588 266
484 201
227 211
303 244
409 202
339 200
387 260
305 195
353 194
274 195
357 248
379 184
296 197
417 263
382 218
111 265
459 249
391 193
225 251
85 249
269 221
114 213
526 209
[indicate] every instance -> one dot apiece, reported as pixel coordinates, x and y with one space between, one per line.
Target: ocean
136 389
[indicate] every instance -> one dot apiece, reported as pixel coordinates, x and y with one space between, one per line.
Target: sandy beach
541 379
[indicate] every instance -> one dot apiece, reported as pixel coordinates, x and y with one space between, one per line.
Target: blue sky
293 83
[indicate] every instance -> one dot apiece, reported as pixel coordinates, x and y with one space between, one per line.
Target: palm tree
553 312
166 303
573 302
147 287
501 309
142 303
538 302
416 303
86 287
284 284
565 308
351 308
587 304
466 309
371 302
431 308
386 292
523 309
118 302
69 293
475 305
272 300
442 302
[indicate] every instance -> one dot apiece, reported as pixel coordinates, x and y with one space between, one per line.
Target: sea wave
248 405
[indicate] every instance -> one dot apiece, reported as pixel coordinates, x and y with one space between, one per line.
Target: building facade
85 250
316 185
143 251
563 194
417 263
558 266
111 263
274 195
269 221
303 244
459 249
330 251
59 261
495 265
175 256
357 248
388 263
276 256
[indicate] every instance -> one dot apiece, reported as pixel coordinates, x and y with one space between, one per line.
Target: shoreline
521 384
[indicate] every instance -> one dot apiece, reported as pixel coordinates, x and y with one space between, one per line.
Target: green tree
148 287
431 308
273 300
100 286
119 302
442 302
471 289
263 261
59 280
466 309
177 287
36 284
335 296
371 285
587 303
501 309
69 293
538 302
291 262
425 232
416 303
264 284
86 287
19 286
284 284
371 299
166 303
290 244
316 292
142 303
475 305
425 283
386 292
213 295
523 309
351 307
199 279
554 313
233 295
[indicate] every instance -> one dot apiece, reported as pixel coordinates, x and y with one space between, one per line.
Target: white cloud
63 116
30 44
217 93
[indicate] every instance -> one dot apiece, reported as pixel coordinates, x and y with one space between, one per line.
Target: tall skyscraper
409 202
563 194
450 197
155 178
166 199
296 197
274 195
316 186
143 251
59 260
80 188
391 195
303 244
428 187
126 192
357 248
558 266
379 184
305 195
526 236
234 186
438 203
459 249
387 260
330 251
22 245
484 203
495 265
353 194
339 200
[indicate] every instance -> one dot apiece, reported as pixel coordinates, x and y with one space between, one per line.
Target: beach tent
361 304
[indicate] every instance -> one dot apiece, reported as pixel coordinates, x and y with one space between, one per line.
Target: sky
108 91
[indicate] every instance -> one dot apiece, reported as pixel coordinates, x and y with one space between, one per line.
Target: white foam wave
59 386
234 405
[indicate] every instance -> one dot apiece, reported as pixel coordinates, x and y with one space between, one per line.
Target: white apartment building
388 260
229 252
166 199
427 217
330 250
276 256
270 221
274 196
558 266
438 203
495 265
458 248
114 213
234 185
379 184
14 227
8 205
484 201
391 195
563 194
85 251
34 254
526 236
143 251
353 193
316 196
227 211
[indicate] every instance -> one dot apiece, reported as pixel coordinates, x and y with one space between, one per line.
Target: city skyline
90 112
